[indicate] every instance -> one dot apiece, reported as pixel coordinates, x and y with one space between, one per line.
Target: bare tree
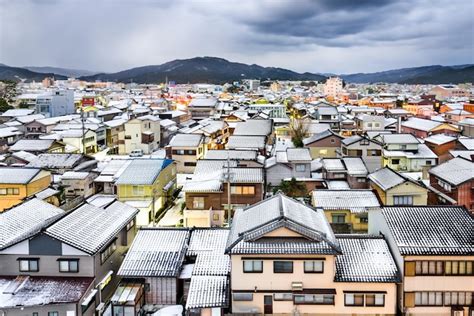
299 129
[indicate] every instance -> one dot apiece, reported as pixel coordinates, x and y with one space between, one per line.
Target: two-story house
52 263
285 165
451 183
369 150
286 260
142 133
17 184
186 150
434 250
147 185
394 188
324 144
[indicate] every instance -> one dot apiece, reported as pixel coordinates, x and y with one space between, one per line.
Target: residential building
186 150
141 133
441 144
55 103
38 146
346 210
394 188
451 183
18 184
333 87
286 260
147 184
433 249
422 128
78 183
202 108
324 144
285 165
369 150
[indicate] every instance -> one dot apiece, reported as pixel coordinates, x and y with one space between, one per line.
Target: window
338 218
215 217
71 265
323 299
198 203
300 167
189 164
283 296
429 268
361 180
282 266
374 152
351 299
395 161
444 185
9 191
53 314
428 298
29 265
459 267
242 190
428 162
130 224
242 296
253 266
137 190
316 266
374 299
458 298
104 255
403 200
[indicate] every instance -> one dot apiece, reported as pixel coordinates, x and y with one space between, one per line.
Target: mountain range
218 70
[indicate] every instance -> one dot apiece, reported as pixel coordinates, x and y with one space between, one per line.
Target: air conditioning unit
297 286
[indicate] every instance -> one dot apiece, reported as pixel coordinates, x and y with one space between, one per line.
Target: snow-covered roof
25 220
356 201
53 161
421 124
365 258
186 140
455 171
431 230
13 175
143 171
232 154
253 128
355 166
90 228
207 292
439 139
246 142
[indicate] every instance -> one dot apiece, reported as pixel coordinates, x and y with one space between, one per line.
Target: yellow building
394 188
17 184
346 210
147 184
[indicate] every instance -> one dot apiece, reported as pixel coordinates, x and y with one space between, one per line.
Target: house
433 249
115 135
441 144
257 143
77 183
356 173
55 103
46 267
8 137
186 150
405 153
142 133
189 267
38 146
369 150
328 115
60 163
202 108
422 128
366 122
285 165
447 91
17 184
286 260
346 210
467 127
324 144
451 183
393 188
206 195
455 116
255 128
147 185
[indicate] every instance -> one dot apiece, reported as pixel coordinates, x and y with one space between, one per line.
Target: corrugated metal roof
454 171
143 171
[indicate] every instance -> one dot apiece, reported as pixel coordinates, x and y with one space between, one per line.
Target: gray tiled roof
247 142
365 258
90 228
32 145
431 230
212 263
251 223
56 160
157 252
454 171
232 154
205 240
207 291
353 200
386 178
355 166
25 220
15 175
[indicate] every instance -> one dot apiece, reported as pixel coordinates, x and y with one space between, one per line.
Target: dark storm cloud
305 35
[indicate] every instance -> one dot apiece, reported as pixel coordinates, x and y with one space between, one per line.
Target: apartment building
186 149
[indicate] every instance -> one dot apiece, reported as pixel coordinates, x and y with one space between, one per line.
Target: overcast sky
339 36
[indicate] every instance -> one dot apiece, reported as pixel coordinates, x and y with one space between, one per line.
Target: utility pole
153 207
83 131
227 176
